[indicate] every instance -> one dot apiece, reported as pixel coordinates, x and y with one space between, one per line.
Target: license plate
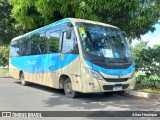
117 88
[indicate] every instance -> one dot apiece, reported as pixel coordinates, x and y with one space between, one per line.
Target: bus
77 55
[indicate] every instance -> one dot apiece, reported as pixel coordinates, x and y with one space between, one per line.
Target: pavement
128 92
15 97
143 95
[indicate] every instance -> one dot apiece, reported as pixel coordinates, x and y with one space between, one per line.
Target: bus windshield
103 41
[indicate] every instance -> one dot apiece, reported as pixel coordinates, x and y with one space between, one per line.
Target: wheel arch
62 78
20 73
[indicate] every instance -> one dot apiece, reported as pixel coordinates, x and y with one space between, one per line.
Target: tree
5 21
136 17
149 60
151 63
7 24
4 55
136 53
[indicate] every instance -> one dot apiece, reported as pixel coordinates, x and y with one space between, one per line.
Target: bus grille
115 80
110 87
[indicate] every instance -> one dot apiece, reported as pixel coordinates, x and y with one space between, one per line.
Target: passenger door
69 50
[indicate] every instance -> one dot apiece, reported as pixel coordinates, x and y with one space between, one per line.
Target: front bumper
94 86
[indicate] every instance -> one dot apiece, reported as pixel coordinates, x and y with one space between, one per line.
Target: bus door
70 53
67 50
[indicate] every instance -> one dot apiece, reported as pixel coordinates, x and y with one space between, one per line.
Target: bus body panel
45 69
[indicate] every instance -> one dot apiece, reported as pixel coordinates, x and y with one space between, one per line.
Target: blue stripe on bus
113 72
42 63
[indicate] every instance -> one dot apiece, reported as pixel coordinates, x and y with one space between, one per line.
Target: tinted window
43 40
32 45
14 49
25 47
35 44
54 41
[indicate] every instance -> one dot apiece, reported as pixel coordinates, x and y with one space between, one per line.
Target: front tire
22 78
68 89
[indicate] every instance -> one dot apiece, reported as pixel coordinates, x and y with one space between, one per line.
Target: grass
149 90
3 71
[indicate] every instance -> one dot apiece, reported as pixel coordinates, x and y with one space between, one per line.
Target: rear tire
68 89
23 82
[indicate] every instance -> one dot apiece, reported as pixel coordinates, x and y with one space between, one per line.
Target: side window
14 49
54 41
35 44
24 47
17 49
69 42
32 45
43 43
29 46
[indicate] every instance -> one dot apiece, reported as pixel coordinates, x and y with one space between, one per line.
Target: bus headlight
94 73
132 74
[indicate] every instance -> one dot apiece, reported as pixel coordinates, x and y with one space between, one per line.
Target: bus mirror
68 34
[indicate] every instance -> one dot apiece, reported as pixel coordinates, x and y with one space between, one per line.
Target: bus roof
92 22
73 20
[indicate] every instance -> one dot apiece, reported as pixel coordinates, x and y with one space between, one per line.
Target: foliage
9 28
4 55
136 17
149 60
153 78
136 53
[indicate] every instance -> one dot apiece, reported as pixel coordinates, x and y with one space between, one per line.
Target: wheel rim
68 88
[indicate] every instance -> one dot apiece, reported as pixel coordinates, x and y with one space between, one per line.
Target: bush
148 60
148 81
4 55
154 78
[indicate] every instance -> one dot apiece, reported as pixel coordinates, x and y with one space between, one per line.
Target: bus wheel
68 89
23 82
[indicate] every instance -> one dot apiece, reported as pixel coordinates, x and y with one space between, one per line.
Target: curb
143 95
5 76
